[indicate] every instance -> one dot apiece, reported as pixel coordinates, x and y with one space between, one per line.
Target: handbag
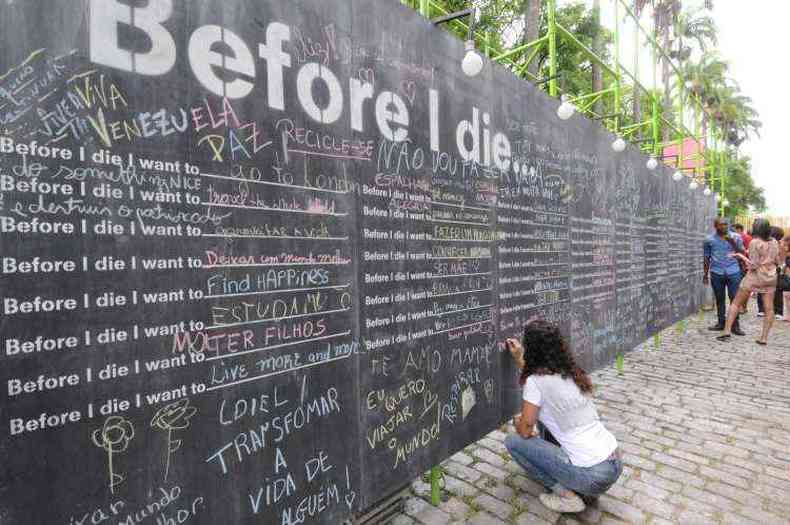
784 282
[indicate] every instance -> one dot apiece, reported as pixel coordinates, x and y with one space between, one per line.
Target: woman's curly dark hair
546 352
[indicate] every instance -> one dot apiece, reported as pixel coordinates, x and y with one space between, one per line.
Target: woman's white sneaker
559 503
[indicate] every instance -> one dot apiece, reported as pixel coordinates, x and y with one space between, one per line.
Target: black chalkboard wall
258 257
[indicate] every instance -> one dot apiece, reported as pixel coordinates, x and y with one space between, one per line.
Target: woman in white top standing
558 394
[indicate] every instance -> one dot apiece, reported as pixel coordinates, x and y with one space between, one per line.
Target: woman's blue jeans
549 465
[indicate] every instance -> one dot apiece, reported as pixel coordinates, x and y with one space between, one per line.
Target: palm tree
704 78
735 114
696 26
597 73
532 11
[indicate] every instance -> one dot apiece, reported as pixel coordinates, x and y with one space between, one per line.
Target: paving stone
652 505
619 491
653 491
673 461
489 457
621 510
463 472
497 435
459 487
731 492
741 472
716 500
493 505
690 517
491 470
779 473
483 518
655 480
528 518
425 513
524 484
500 491
533 505
592 514
682 437
756 516
421 488
402 519
608 520
661 521
699 450
497 446
727 449
462 458
456 508
781 484
638 462
725 477
656 438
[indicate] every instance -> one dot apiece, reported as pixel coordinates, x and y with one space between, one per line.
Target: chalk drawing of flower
174 416
114 437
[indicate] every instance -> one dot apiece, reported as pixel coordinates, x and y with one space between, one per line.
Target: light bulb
566 110
677 176
707 192
472 63
693 186
725 203
618 145
652 163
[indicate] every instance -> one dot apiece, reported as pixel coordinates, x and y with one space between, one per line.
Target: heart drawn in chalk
350 497
367 75
409 88
429 399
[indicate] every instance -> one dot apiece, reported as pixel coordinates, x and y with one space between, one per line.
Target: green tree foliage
741 191
574 67
688 37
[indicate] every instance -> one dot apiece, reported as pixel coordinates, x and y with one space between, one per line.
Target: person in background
745 236
765 254
557 393
747 239
779 304
722 270
786 271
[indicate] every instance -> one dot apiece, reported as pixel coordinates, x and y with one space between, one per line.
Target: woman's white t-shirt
571 418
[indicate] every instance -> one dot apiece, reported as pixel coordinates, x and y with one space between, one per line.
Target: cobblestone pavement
704 428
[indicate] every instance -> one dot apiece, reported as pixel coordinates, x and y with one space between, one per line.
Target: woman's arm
516 352
745 259
525 423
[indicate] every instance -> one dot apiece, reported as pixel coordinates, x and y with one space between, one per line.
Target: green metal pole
697 140
654 99
436 476
680 122
636 93
617 85
552 34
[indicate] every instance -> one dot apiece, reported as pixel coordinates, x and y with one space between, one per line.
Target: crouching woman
557 393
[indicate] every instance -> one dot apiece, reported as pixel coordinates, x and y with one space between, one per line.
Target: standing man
722 269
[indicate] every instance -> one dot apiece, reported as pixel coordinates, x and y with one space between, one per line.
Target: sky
752 39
